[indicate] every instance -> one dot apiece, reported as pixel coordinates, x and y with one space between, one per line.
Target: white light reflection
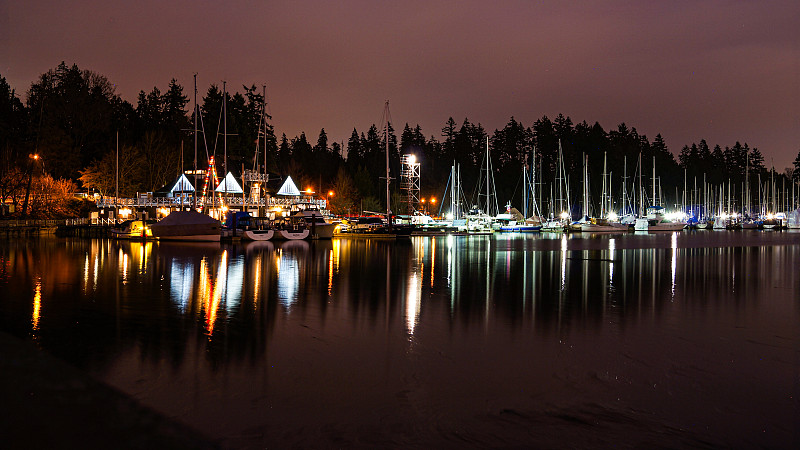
449 259
234 284
612 247
181 283
288 278
413 302
674 260
433 258
86 274
124 268
563 262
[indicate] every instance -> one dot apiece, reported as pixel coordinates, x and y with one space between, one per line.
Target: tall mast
624 181
453 191
606 202
641 188
585 186
653 201
488 169
388 199
747 181
116 192
196 110
225 133
525 188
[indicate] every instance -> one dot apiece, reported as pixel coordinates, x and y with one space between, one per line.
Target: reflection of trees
100 298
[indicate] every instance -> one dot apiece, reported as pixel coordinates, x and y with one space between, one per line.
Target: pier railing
184 202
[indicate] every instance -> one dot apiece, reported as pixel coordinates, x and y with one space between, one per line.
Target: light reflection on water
561 318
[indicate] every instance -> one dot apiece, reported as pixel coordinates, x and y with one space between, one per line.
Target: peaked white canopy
229 185
182 185
289 188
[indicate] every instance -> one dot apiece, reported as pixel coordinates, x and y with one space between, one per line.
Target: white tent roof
289 188
182 185
229 185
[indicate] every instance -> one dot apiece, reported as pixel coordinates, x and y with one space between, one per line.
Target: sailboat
375 226
606 222
559 223
513 220
480 220
655 220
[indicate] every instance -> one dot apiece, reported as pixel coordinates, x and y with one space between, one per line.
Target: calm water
672 340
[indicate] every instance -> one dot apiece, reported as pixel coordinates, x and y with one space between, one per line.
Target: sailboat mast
585 186
488 168
525 188
641 188
624 181
747 181
653 201
225 133
606 203
388 199
196 110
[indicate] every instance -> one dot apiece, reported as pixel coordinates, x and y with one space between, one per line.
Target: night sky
716 70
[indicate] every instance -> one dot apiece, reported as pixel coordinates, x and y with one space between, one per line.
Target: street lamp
34 157
328 204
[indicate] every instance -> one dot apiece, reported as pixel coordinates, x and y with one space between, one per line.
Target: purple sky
719 70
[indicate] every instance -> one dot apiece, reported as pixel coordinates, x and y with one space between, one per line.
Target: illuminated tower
409 182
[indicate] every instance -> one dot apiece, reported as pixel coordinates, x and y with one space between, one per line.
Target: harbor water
669 340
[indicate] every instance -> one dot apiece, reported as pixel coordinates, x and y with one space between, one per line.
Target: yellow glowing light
125 212
163 211
433 199
612 216
564 215
330 193
37 304
412 159
309 190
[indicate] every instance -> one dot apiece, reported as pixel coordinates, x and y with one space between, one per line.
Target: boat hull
258 235
594 228
521 228
292 235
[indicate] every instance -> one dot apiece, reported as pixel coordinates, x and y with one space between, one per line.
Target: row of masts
699 203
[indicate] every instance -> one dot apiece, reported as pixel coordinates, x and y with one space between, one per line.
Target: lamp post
34 157
330 194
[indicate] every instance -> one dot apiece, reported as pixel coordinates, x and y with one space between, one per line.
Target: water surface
676 339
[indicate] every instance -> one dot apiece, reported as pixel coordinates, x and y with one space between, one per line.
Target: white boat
318 227
258 235
793 220
655 221
291 229
293 234
603 226
554 226
187 226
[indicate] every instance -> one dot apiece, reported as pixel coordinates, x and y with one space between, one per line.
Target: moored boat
187 226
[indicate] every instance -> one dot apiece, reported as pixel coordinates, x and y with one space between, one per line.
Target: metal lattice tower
409 182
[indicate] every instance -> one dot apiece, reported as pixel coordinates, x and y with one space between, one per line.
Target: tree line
80 126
